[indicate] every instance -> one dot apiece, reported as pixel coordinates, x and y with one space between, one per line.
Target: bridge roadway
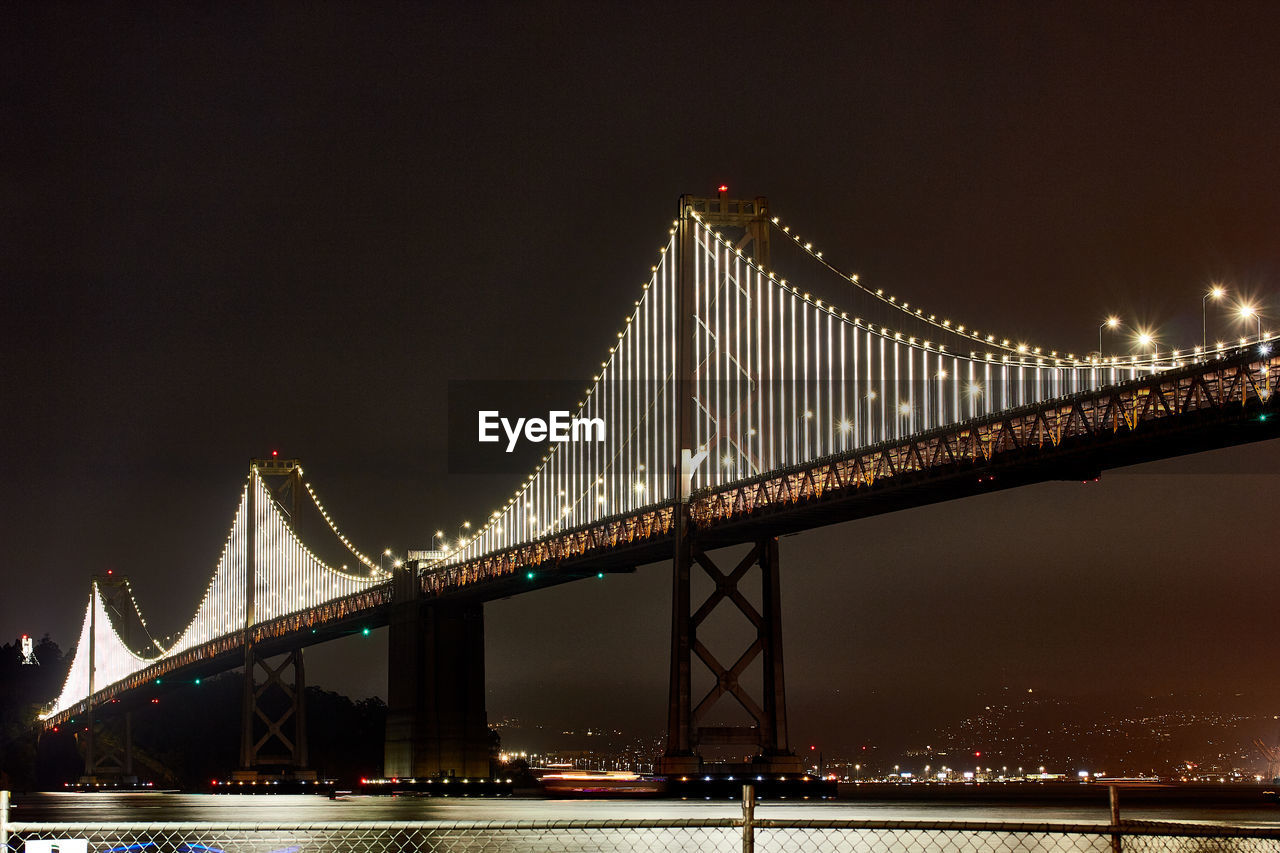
1189 409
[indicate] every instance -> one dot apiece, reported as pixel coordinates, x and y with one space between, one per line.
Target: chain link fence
851 836
747 834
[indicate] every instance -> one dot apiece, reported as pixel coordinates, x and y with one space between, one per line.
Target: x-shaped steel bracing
274 727
727 678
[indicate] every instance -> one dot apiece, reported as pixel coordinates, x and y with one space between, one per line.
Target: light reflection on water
303 808
150 808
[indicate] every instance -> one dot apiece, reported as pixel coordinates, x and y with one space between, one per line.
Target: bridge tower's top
748 217
274 465
283 479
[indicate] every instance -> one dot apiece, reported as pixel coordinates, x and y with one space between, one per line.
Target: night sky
232 228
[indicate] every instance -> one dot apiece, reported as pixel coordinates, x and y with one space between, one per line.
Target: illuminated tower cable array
583 481
288 578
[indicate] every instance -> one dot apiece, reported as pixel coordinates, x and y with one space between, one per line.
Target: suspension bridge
738 407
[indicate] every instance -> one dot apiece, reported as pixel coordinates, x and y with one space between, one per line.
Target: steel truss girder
1173 398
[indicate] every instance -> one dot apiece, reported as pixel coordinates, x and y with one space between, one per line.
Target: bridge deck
1223 402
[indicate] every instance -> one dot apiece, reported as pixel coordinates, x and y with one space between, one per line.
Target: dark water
149 807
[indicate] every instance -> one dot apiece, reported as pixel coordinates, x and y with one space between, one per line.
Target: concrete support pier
436 721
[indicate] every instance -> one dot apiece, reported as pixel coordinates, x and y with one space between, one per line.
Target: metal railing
747 833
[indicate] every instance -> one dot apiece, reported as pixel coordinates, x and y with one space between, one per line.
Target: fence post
4 822
748 819
1117 842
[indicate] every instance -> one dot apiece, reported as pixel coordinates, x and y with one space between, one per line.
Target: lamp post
803 422
1109 323
382 559
1216 292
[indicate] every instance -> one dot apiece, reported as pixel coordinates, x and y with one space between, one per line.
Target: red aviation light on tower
275 454
724 188
28 651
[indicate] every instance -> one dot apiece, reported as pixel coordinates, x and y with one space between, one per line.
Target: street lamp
1146 339
1247 311
1216 292
1109 323
382 560
461 538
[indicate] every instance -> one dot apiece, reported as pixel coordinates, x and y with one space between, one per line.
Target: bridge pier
436 720
767 735
273 719
109 758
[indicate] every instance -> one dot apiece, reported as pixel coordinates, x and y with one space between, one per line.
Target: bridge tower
273 721
109 738
746 223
